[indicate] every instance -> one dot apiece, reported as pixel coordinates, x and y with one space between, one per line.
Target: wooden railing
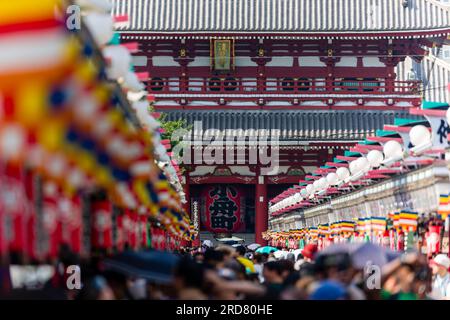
228 89
284 85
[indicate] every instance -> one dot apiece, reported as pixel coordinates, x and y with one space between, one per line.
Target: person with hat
441 282
247 263
309 252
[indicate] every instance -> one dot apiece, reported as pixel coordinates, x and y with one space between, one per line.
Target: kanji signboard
223 207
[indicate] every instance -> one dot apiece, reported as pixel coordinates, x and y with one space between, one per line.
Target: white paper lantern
12 141
95 5
353 167
342 173
393 149
419 135
131 82
101 27
316 185
136 96
119 61
332 178
363 164
76 178
309 189
87 108
323 183
375 158
303 192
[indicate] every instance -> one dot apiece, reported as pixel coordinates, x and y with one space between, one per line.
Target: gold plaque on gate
222 54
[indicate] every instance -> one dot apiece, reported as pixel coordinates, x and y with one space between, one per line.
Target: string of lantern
71 112
393 151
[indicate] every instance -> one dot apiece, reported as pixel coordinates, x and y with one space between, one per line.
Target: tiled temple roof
304 125
291 17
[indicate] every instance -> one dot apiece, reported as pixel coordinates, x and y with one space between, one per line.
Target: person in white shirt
441 281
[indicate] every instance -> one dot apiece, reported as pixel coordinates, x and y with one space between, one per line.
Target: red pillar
261 210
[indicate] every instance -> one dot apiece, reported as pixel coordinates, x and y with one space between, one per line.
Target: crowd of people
339 272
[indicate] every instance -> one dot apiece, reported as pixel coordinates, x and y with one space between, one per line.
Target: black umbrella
152 265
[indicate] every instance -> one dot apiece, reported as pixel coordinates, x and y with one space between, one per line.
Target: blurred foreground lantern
102 237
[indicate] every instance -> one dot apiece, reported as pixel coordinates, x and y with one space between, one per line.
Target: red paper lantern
401 241
433 239
385 242
158 239
223 209
133 229
392 242
143 221
30 216
70 219
14 205
51 223
102 225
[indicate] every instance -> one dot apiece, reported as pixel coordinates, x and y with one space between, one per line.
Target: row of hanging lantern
60 118
101 24
392 155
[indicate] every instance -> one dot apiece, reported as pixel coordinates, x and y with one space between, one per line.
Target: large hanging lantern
224 209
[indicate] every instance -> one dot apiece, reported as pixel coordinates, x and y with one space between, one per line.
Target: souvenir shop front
406 211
